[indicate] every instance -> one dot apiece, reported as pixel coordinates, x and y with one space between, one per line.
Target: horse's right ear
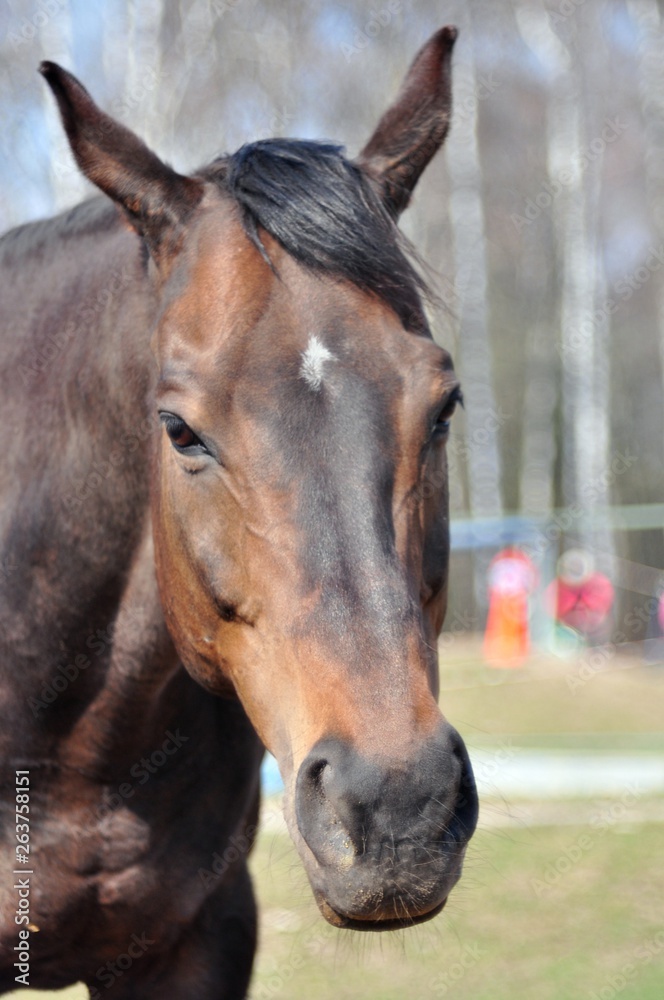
155 198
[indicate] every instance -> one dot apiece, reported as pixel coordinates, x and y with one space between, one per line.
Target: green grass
552 700
516 928
563 910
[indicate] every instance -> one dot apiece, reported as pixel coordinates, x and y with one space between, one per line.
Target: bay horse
224 527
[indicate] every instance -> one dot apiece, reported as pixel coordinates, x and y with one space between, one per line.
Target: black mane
325 213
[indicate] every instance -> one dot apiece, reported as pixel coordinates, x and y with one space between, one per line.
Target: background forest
542 222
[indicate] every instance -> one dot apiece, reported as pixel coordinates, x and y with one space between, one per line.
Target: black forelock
325 213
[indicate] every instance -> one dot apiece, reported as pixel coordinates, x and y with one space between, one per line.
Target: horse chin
358 899
388 923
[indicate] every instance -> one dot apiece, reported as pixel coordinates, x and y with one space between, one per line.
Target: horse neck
77 583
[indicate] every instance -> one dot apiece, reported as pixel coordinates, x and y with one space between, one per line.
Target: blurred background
542 222
542 228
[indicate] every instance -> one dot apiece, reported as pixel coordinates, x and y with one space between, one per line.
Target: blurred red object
511 579
580 597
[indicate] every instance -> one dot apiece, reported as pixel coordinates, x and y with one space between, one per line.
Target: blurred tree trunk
571 192
538 456
143 70
647 18
594 430
474 354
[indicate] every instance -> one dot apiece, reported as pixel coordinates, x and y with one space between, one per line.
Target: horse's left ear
155 198
414 127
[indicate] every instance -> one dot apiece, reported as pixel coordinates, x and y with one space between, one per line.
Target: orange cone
507 635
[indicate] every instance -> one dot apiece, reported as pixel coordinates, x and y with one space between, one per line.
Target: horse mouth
371 923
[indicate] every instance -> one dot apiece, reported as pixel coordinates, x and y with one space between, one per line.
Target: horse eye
442 424
181 435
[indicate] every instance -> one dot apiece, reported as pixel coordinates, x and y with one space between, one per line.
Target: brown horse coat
221 408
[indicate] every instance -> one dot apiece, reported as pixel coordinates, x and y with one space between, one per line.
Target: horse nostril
316 771
311 781
351 810
318 817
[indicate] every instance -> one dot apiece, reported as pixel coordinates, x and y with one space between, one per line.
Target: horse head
300 508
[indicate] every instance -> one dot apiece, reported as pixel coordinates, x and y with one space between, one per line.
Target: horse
224 528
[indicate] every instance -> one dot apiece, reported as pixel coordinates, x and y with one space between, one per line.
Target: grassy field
546 913
559 900
598 700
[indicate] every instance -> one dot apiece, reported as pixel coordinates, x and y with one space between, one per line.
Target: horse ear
155 198
414 127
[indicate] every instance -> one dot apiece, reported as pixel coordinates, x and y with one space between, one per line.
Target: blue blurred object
270 777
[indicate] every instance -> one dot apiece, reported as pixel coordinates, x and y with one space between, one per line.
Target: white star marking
313 362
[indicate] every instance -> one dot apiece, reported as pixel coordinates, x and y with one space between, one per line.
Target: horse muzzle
385 841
